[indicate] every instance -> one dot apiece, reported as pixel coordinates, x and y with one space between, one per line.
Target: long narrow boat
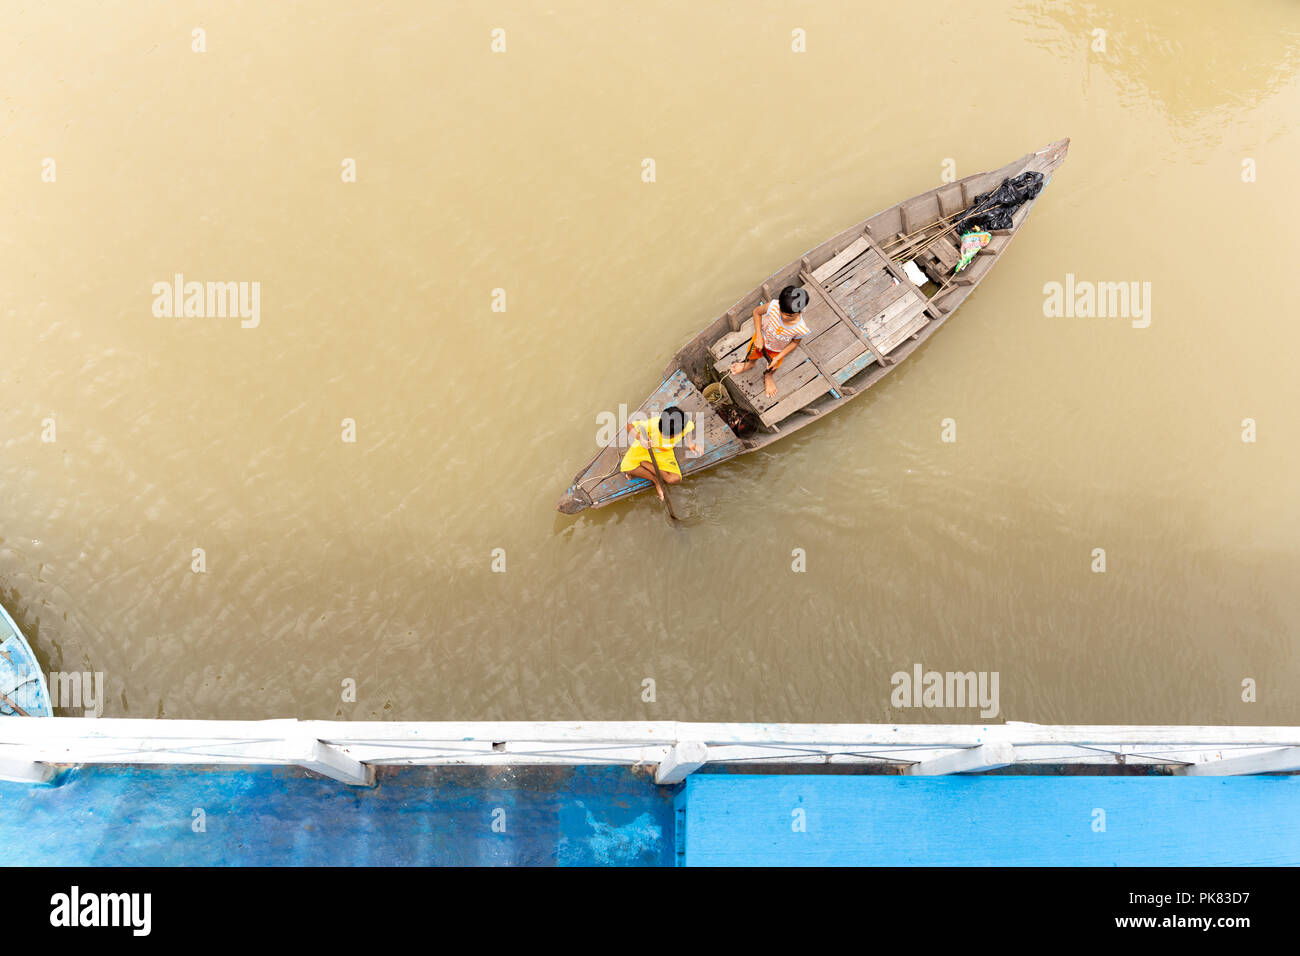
23 692
877 291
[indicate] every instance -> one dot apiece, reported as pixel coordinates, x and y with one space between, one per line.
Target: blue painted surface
606 816
990 820
21 680
854 367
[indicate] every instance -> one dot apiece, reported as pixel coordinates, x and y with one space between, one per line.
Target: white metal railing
32 748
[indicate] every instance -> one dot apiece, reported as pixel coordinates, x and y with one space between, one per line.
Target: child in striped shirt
778 329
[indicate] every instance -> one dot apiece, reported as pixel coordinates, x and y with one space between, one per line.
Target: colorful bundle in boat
971 243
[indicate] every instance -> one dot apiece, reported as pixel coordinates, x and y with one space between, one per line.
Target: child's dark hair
672 420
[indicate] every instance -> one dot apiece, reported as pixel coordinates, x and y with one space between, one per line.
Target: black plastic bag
994 209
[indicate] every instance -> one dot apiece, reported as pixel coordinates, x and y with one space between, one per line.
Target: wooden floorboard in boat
859 279
791 404
849 354
841 259
866 263
834 340
732 340
795 372
892 327
874 299
818 317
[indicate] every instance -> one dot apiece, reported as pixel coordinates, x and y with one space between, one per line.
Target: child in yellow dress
664 434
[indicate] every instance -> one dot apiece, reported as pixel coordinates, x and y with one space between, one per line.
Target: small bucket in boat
716 394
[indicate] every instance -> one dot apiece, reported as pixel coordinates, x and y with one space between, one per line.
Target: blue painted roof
263 816
727 820
612 816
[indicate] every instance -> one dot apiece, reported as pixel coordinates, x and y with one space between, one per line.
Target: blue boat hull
23 691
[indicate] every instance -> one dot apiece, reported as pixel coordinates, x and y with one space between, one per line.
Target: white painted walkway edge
31 748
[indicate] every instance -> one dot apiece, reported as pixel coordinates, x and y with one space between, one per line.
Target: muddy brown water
372 561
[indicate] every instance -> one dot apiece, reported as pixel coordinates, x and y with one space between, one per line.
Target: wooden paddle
662 482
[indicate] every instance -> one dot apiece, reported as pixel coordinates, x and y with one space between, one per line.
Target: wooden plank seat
798 375
874 296
870 289
892 325
844 317
919 213
950 200
841 259
818 316
884 305
887 330
937 259
802 376
897 272
863 277
723 348
823 348
944 251
837 347
795 372
865 265
791 403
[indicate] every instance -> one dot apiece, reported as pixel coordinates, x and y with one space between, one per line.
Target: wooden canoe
23 691
864 317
